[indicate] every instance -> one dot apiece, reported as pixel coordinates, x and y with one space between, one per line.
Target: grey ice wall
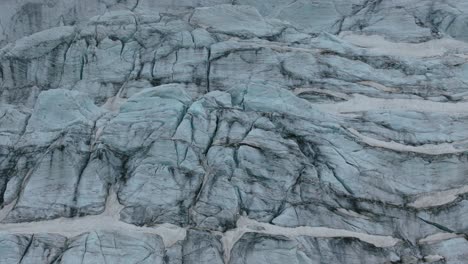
233 131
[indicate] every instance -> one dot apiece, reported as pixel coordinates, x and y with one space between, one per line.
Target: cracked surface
243 131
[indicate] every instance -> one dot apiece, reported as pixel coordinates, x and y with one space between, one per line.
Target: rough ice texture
246 131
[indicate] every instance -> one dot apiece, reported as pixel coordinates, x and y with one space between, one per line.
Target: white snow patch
439 198
434 238
429 149
361 103
245 225
433 258
380 46
108 220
